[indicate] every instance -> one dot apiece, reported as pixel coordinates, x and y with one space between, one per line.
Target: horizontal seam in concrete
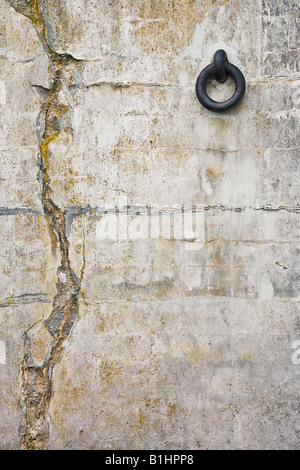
15 301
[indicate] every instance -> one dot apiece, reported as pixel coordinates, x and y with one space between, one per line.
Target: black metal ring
208 72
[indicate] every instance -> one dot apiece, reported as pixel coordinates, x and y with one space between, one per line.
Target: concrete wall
143 340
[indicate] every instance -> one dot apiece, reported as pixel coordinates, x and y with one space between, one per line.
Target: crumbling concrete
140 339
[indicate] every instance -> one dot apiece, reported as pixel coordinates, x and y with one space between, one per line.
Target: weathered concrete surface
160 342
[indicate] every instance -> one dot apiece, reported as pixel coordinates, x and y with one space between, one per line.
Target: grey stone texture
155 342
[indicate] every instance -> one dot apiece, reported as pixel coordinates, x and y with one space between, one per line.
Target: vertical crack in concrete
56 115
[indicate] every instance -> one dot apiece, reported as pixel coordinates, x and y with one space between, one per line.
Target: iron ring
206 101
